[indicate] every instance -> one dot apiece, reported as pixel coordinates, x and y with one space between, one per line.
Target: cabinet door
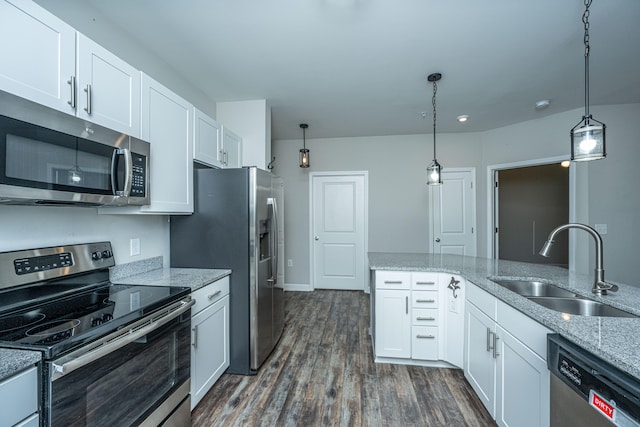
167 124
38 53
207 140
108 88
393 324
479 364
232 148
19 397
522 385
425 342
209 348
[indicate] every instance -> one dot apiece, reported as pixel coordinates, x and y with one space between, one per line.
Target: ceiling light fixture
434 169
463 118
588 136
565 163
304 151
542 104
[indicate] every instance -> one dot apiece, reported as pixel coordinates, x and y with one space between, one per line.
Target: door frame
474 213
365 175
492 201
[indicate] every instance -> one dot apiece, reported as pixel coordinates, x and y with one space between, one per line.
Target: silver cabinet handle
406 305
226 158
387 282
221 156
88 107
426 283
429 337
489 339
495 346
213 295
195 336
425 318
72 101
425 300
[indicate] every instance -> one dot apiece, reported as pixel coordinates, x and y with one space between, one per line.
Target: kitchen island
614 339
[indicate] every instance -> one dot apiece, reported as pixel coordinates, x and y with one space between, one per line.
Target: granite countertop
614 339
194 278
14 361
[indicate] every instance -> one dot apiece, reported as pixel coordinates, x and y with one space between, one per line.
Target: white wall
25 227
398 195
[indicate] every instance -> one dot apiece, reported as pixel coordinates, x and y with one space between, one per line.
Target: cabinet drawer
19 396
482 299
424 342
424 281
528 331
424 316
209 294
393 279
424 299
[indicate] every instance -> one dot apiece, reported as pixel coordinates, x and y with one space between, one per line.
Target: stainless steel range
112 354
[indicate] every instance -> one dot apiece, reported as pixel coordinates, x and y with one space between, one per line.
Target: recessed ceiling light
542 104
565 163
463 118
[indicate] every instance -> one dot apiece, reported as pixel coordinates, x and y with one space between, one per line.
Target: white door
453 214
338 218
479 364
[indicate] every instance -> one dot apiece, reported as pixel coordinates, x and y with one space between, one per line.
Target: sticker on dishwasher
606 408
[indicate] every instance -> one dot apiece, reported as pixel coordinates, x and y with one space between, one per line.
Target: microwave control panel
138 179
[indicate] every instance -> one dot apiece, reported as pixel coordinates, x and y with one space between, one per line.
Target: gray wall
398 195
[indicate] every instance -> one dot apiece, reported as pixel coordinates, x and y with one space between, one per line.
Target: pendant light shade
434 175
304 151
588 136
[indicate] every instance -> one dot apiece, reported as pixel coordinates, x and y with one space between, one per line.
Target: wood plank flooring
322 374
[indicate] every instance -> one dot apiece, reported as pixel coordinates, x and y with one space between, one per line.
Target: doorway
339 230
532 201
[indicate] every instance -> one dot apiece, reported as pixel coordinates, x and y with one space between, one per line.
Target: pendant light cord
585 20
433 101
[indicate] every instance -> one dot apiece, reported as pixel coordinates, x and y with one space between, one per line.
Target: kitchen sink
533 288
580 306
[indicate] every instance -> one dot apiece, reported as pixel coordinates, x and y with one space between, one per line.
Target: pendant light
304 151
434 177
588 136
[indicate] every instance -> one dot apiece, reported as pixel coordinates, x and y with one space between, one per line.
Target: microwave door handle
126 189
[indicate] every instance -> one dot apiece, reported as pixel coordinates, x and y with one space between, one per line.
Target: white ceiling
359 67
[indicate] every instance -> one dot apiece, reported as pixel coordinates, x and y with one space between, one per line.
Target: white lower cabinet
505 361
414 320
209 337
19 399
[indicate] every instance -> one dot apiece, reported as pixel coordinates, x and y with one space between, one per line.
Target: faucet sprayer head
546 249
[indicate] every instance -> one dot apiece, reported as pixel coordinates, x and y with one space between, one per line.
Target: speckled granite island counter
14 361
614 339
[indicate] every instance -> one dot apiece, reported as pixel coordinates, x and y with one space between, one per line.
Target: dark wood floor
322 374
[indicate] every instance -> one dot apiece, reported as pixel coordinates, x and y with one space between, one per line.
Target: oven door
136 376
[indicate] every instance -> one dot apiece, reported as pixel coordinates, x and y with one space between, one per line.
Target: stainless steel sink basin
580 306
533 288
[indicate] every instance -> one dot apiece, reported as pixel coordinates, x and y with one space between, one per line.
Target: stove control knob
107 254
96 255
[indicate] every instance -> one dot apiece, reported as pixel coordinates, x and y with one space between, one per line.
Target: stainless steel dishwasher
587 391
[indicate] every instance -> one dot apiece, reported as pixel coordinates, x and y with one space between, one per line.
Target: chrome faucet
600 287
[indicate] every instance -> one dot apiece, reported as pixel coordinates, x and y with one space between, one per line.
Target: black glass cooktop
60 316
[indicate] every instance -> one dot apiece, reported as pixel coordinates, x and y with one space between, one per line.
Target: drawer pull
425 318
427 337
393 282
426 283
425 300
213 295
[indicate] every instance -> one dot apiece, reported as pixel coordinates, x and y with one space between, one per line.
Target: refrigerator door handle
274 241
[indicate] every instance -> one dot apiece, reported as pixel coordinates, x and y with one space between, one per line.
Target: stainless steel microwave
49 157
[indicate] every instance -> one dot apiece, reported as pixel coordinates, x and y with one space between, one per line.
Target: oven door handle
119 339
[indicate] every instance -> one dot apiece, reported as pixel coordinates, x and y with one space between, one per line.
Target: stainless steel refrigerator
234 226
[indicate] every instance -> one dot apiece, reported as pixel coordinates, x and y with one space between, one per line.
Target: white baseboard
297 287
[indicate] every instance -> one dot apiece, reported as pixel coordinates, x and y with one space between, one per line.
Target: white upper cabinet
108 88
167 123
207 140
38 54
48 62
231 149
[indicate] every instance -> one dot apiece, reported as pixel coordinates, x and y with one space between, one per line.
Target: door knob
317 237
437 240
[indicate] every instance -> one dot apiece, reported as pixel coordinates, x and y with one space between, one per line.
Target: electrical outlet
134 246
601 228
453 305
289 263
